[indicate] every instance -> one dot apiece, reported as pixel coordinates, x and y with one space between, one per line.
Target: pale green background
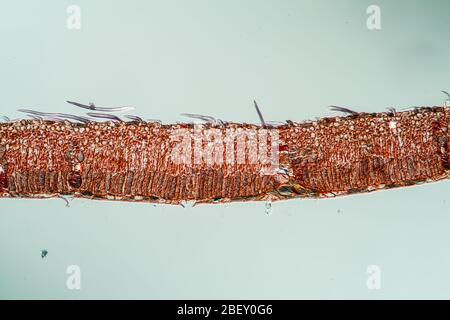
214 58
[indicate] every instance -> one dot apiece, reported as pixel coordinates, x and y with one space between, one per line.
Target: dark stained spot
283 147
285 190
75 179
44 253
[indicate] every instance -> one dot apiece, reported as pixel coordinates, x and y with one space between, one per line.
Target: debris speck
268 207
44 253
